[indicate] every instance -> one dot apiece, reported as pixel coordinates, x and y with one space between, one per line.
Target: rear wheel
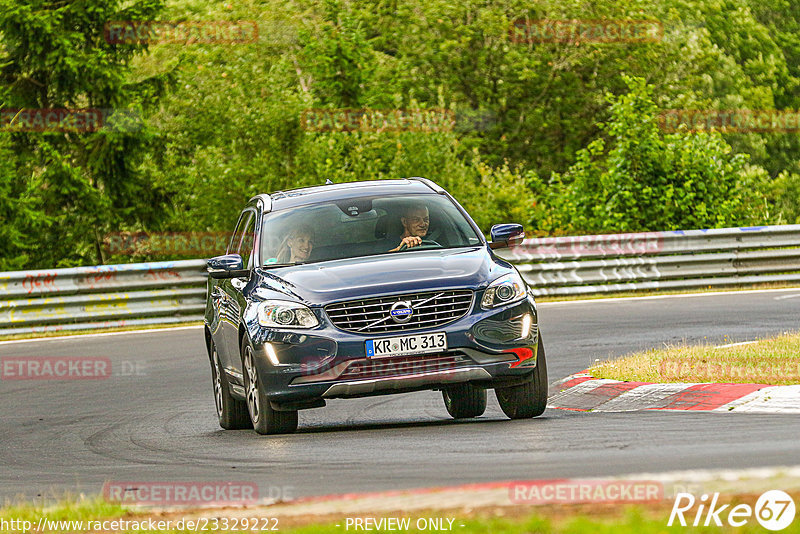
464 400
530 398
231 412
265 419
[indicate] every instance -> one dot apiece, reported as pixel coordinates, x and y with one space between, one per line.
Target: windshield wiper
289 264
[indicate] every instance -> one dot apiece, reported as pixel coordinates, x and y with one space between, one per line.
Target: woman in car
297 245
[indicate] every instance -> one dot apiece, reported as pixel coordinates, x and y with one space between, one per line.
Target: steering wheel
425 242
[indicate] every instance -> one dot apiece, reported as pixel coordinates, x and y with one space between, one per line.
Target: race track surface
72 436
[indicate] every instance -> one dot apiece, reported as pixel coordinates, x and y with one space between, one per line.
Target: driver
416 221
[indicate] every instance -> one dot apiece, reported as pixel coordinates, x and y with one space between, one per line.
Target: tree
82 183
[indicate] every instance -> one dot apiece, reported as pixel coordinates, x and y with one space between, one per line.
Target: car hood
330 281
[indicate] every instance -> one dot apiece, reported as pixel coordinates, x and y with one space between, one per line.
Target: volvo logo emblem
401 311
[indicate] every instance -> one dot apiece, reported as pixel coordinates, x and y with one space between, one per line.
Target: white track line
652 297
710 475
101 334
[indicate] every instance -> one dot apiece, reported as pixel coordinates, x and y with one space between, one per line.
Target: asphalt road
154 420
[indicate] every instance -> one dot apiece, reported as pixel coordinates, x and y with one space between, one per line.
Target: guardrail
169 292
580 265
104 296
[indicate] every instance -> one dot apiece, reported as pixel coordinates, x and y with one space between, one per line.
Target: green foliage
651 181
502 195
337 56
73 186
781 198
548 134
17 215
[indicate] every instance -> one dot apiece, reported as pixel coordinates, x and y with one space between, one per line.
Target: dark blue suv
368 288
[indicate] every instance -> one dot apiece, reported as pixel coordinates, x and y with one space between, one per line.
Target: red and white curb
583 392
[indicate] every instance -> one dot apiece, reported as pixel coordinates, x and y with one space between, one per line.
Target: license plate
406 345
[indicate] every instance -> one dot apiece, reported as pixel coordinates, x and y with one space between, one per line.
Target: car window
360 227
248 236
238 235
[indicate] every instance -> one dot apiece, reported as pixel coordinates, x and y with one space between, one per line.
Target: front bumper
484 348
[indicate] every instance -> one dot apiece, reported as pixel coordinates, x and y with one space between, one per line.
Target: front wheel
231 412
464 400
530 398
265 419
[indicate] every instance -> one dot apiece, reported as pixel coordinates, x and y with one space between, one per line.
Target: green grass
65 509
773 360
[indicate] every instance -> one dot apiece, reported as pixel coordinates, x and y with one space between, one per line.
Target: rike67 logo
774 510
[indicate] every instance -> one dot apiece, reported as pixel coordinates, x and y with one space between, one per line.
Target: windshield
363 226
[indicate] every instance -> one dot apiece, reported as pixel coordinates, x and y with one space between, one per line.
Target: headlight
285 314
504 290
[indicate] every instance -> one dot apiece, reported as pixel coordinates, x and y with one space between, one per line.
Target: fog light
526 325
271 354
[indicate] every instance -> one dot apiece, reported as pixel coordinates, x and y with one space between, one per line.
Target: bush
650 181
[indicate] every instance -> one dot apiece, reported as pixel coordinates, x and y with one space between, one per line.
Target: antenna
328 181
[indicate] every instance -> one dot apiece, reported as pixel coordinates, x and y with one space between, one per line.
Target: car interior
342 231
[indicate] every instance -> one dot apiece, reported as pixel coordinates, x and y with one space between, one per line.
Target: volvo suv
368 288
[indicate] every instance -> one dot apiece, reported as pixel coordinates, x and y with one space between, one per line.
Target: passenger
416 222
297 245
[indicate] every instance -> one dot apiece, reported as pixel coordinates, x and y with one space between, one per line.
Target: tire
265 420
464 400
529 399
231 412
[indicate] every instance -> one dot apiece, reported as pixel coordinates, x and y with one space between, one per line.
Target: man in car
416 221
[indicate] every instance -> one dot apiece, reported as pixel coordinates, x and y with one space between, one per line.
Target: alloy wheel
217 382
252 385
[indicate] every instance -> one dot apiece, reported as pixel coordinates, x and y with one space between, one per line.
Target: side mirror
506 235
228 266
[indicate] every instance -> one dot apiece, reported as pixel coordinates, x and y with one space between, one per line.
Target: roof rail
430 183
265 199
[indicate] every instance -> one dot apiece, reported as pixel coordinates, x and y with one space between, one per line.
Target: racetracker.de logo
55 368
194 244
69 120
140 32
53 120
377 120
592 245
779 369
585 31
730 121
585 491
181 493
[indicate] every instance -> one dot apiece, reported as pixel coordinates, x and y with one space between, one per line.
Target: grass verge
774 361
